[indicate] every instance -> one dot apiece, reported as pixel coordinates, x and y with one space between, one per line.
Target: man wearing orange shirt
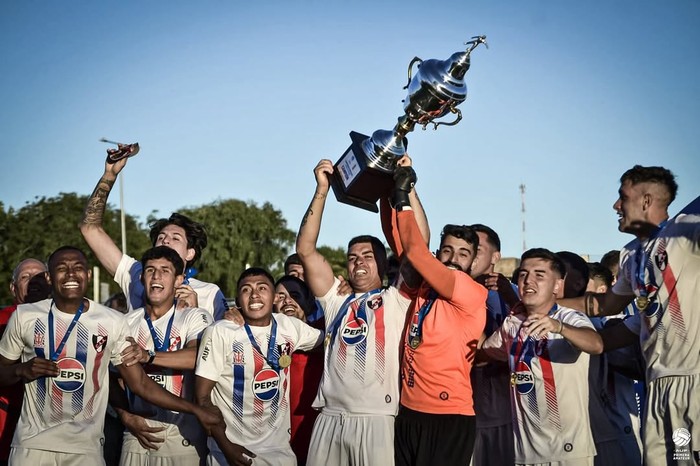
436 423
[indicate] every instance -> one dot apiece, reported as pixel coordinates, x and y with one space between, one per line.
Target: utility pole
522 210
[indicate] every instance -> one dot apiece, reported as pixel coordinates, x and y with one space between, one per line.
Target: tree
39 228
337 258
241 235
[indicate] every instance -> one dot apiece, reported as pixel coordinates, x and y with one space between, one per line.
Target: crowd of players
438 361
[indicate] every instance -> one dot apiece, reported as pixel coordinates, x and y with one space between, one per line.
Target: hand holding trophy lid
364 173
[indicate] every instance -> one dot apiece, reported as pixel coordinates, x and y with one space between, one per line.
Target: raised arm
598 304
91 227
318 272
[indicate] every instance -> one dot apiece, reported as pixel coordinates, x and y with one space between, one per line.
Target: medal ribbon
422 313
518 350
53 354
190 272
270 358
159 346
361 313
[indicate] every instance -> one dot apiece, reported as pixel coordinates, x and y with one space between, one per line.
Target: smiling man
61 348
244 371
547 348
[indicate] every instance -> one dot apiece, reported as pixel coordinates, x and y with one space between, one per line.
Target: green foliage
337 258
39 228
241 234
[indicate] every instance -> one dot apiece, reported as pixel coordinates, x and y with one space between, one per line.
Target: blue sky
240 99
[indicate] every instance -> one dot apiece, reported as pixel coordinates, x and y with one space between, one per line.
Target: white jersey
549 390
669 326
128 276
253 397
187 325
65 413
361 363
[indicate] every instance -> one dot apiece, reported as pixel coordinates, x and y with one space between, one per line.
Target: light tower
522 210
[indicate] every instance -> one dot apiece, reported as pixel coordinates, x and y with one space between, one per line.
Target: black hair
195 233
62 249
541 253
611 259
491 235
576 279
164 252
464 232
660 175
299 292
251 272
378 249
598 271
293 259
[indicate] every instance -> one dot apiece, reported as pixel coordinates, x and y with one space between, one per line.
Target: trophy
364 173
122 151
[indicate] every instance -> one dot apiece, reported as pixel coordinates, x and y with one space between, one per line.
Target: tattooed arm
318 272
91 228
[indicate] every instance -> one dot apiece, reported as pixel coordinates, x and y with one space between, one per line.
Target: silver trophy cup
364 173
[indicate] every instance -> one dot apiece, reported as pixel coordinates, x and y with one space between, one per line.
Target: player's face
538 284
486 256
174 237
363 273
630 207
296 270
159 279
256 297
69 275
26 271
285 304
456 253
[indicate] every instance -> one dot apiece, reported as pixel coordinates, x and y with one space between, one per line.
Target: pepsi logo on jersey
266 385
71 375
355 331
524 380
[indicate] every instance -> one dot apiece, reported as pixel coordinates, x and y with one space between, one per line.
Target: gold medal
414 342
513 378
285 361
642 302
327 341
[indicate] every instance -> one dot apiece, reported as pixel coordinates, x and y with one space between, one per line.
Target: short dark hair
378 249
660 175
253 272
541 253
576 278
299 292
62 249
491 235
597 271
464 232
164 252
293 259
610 259
195 233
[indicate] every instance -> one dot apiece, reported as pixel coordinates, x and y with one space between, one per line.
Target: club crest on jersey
374 302
38 340
524 380
71 375
355 331
99 342
661 260
266 385
174 344
238 357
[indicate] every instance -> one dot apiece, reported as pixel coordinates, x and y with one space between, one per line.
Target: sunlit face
363 272
25 272
456 253
538 284
159 279
69 275
296 270
486 256
174 237
256 297
630 207
285 304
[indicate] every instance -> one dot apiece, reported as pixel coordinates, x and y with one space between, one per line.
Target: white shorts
31 457
672 427
182 446
262 458
346 439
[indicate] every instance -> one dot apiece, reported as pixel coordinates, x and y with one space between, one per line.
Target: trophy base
357 183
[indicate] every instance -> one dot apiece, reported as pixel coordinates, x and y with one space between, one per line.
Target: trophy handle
410 69
457 119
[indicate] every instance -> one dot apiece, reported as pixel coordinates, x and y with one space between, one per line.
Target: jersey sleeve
121 331
220 305
577 319
12 345
496 346
211 357
307 336
128 277
623 285
197 320
633 323
331 302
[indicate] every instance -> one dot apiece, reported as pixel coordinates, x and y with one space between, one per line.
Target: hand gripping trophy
364 173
